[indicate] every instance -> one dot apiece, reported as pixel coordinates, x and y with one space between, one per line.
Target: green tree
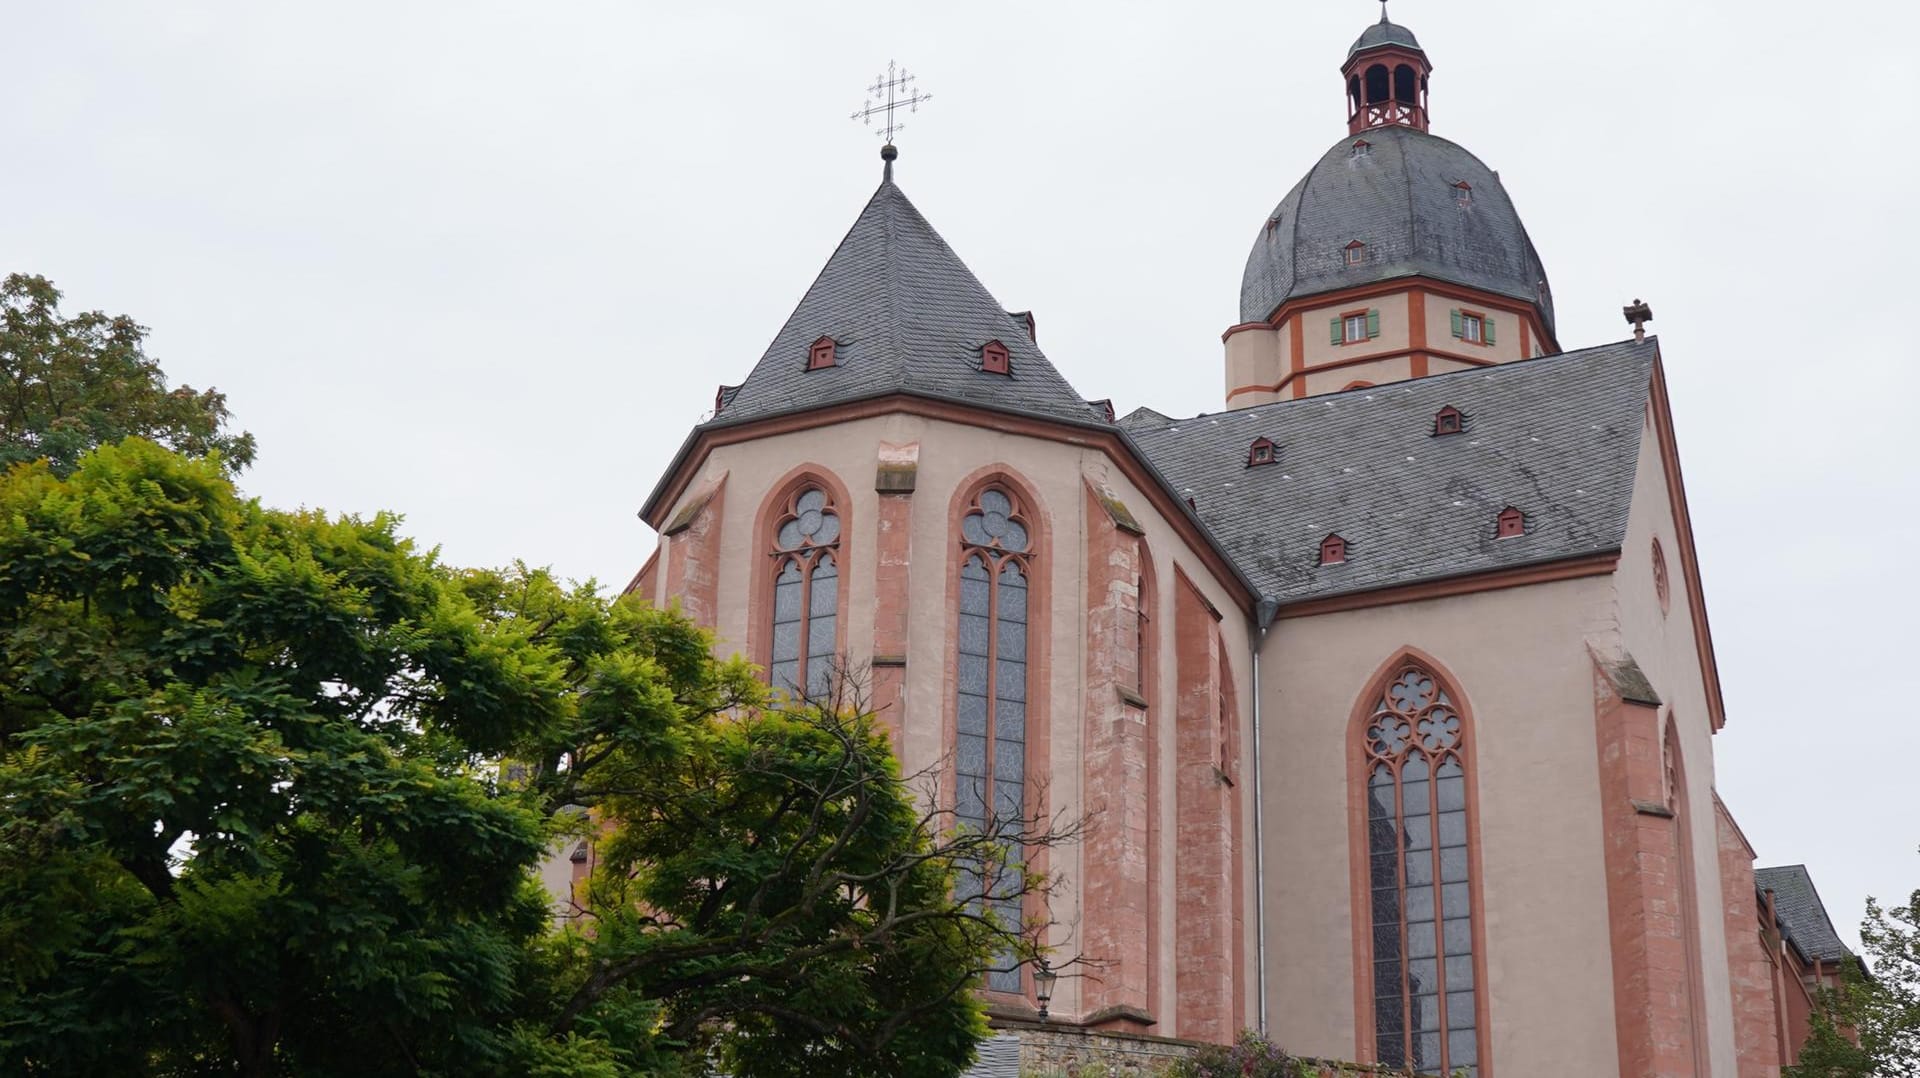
253 818
1869 1027
70 384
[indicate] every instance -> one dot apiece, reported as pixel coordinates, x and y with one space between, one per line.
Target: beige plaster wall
1664 645
1396 368
1520 660
949 454
1506 335
1316 342
1256 357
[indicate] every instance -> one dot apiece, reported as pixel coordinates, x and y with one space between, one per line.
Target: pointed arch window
806 593
991 730
1419 869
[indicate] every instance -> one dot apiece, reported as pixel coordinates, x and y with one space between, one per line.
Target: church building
1388 689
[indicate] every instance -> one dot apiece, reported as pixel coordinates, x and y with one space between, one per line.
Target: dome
1400 195
1383 33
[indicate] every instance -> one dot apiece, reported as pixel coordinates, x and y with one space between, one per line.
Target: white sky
483 263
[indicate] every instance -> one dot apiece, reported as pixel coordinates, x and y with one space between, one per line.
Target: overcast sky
484 263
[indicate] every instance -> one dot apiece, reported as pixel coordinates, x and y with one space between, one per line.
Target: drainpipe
1267 610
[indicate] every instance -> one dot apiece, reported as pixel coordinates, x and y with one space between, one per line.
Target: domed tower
1397 256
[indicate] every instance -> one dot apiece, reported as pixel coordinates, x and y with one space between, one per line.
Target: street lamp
1043 978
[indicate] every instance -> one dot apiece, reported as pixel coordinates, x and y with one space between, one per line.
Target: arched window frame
1034 561
1360 759
770 560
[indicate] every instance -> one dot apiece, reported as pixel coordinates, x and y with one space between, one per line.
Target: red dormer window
1356 253
1106 408
822 353
1448 420
721 396
1362 148
1510 523
1333 550
994 358
1463 193
1273 223
1261 452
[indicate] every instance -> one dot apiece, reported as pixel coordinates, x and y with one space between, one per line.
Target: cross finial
890 93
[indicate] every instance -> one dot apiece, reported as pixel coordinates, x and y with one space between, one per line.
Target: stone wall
1038 1050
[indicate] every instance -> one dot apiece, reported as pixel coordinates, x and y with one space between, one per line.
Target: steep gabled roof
1558 437
1801 913
907 316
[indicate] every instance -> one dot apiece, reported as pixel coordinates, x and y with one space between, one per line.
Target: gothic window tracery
990 752
806 593
1419 866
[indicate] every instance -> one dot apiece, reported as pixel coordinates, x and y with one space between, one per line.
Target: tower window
1463 193
1355 327
1333 550
822 353
1356 253
1261 452
994 358
1472 327
1362 148
1510 523
1448 420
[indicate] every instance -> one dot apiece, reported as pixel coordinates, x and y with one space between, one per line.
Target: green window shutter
1339 332
1457 330
1373 324
1488 330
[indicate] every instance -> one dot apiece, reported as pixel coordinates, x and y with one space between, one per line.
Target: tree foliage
70 384
1869 1027
254 817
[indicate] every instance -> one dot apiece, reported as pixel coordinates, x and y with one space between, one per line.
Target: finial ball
888 153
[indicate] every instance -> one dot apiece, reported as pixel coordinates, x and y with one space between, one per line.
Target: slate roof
1384 33
1557 437
907 316
1400 200
1801 913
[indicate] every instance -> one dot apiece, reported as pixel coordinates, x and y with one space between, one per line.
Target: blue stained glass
820 673
1009 760
1380 805
1014 536
820 637
786 593
1426 1050
1010 679
789 537
1391 1046
1454 901
1419 830
1010 720
829 530
1414 770
1383 834
812 501
993 501
1464 1047
1414 796
1389 1012
1420 940
1382 778
1384 870
1386 910
1457 936
786 641
1459 972
971 755
1013 638
970 801
973 597
1452 789
1453 829
1459 1013
1419 903
1419 870
1013 593
1009 800
786 675
1426 1013
1422 975
973 634
973 529
1453 865
1386 984
973 675
1004 980
972 718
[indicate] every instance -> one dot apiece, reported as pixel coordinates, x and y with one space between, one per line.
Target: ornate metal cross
889 93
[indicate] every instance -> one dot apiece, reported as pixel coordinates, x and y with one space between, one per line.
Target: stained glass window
1424 1015
990 753
806 594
